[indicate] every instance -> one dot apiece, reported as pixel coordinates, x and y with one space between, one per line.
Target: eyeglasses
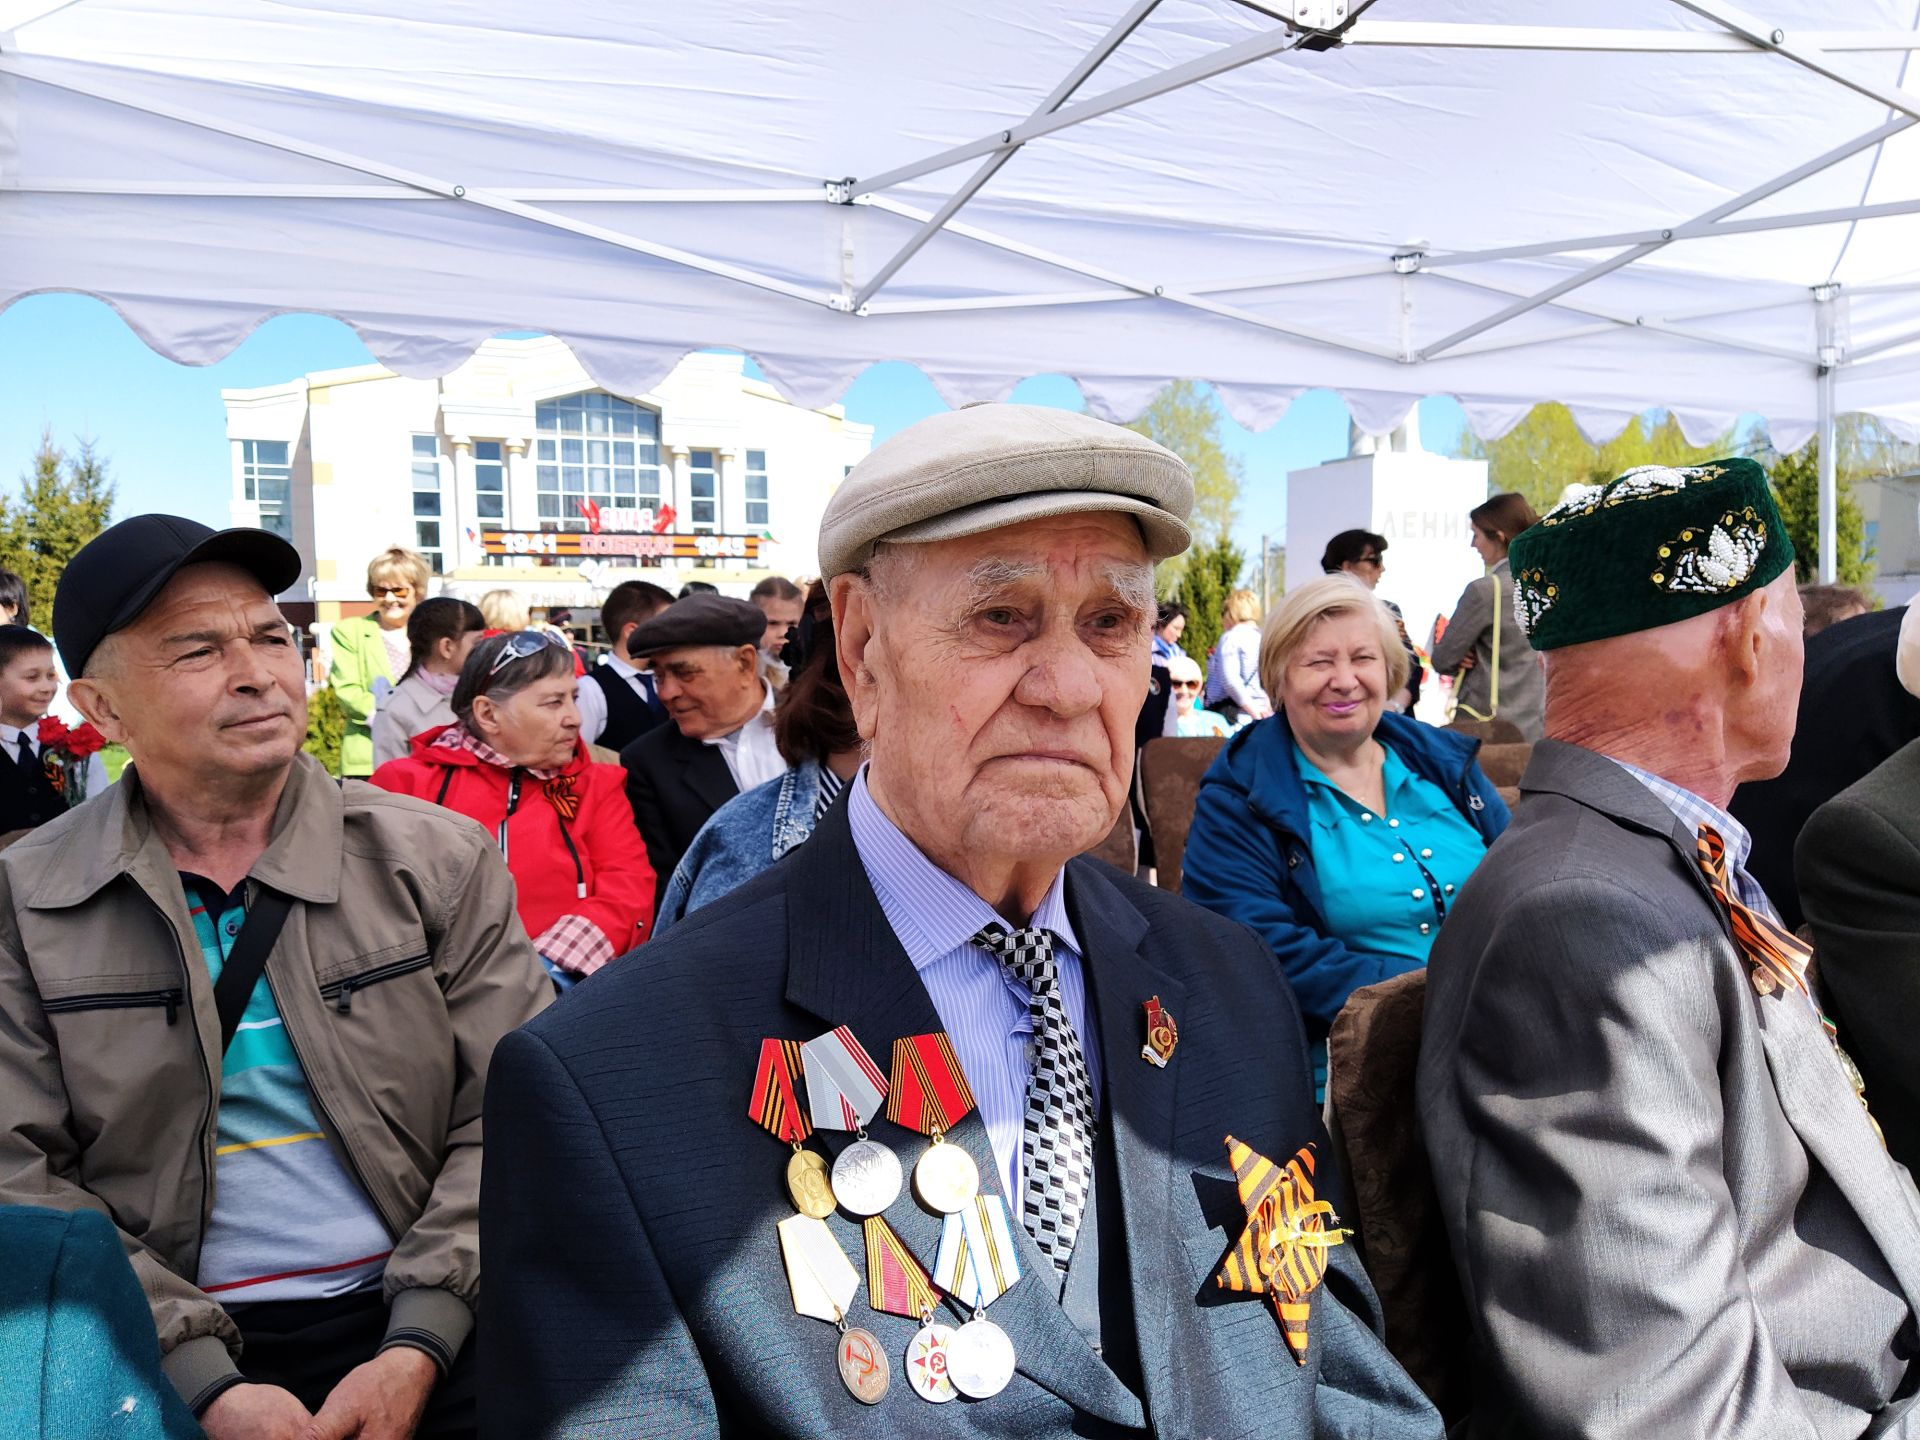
1373 560
1186 684
520 645
399 592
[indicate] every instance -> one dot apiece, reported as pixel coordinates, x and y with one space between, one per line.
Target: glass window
426 500
489 480
577 458
757 507
266 476
703 491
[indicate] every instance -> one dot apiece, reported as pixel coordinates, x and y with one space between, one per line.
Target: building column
675 491
730 477
454 544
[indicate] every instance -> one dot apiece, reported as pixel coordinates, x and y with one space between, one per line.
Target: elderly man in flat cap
705 654
923 1130
1670 1209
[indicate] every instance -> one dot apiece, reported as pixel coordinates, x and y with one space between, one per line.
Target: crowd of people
752 995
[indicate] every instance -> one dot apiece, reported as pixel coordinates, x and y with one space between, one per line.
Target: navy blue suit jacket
634 1276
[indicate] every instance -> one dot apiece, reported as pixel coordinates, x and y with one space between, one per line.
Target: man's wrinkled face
709 690
207 682
1001 686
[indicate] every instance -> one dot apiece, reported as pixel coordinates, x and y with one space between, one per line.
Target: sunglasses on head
520 645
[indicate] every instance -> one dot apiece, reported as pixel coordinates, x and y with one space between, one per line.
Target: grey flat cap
993 465
700 619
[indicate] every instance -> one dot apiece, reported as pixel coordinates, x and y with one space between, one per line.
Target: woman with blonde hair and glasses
371 652
1337 830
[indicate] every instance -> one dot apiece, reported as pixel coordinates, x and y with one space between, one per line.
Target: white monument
1418 500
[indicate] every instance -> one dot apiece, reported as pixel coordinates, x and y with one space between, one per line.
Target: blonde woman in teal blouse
370 651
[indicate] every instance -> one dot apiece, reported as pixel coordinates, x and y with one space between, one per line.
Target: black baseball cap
115 576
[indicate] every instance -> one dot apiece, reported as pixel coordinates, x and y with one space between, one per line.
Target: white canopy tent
1618 204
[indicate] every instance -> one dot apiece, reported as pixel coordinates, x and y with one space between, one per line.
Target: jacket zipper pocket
173 999
341 991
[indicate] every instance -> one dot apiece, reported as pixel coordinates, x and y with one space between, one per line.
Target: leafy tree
1546 452
65 500
1211 572
326 728
1796 489
1186 419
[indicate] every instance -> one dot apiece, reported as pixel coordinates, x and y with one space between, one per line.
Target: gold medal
807 1183
946 1177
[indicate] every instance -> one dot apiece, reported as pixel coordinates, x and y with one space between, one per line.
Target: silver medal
866 1177
927 1363
946 1177
980 1359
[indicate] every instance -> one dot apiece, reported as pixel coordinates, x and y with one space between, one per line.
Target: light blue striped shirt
1693 812
983 1008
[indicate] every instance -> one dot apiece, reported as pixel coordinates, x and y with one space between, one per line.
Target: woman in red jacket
514 761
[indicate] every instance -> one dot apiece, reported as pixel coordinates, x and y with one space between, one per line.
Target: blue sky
68 361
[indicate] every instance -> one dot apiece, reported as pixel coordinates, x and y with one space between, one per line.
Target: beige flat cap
988 466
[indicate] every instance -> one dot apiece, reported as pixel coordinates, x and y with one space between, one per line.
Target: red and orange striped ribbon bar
775 1106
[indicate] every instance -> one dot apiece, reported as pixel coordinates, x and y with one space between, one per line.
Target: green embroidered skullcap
1657 545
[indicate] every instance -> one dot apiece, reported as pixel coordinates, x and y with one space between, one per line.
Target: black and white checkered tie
1057 1143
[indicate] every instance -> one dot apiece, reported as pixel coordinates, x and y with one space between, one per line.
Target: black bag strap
248 960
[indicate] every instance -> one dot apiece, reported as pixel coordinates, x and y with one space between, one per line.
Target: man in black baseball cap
216 975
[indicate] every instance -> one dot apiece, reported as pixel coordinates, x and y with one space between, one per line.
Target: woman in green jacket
370 652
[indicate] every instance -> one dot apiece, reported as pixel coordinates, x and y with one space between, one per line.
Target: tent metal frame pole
1233 57
1759 32
275 190
1828 362
434 185
1063 92
1638 252
1445 35
1142 288
1691 231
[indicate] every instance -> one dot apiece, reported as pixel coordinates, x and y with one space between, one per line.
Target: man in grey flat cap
705 653
934 983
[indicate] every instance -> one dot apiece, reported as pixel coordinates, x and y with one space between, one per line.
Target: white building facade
517 472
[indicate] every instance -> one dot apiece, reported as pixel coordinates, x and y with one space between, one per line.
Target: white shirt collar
10 736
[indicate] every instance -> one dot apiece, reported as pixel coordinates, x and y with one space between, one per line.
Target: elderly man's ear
852 600
97 706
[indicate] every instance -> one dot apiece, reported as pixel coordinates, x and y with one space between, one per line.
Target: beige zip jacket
400 967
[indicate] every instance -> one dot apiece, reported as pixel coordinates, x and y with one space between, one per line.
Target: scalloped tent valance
1613 203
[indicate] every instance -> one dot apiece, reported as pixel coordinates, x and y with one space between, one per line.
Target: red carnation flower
84 741
53 731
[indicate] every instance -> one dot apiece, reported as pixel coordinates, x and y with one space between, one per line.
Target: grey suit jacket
634 1280
1859 865
1669 1215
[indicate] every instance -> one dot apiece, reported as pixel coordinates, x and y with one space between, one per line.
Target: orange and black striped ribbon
564 797
1779 957
896 1282
927 1090
776 1106
1774 952
1282 1252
